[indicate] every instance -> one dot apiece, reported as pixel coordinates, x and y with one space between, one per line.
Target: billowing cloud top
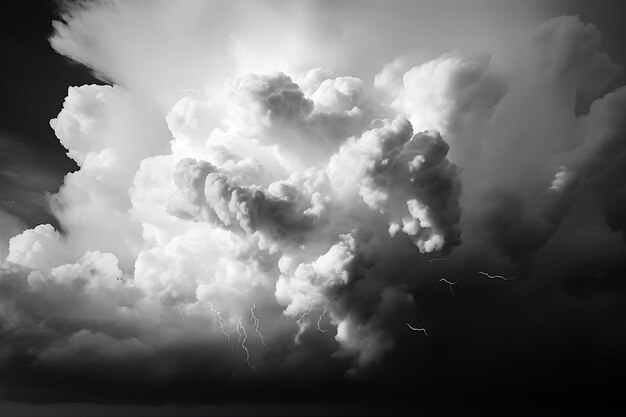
258 218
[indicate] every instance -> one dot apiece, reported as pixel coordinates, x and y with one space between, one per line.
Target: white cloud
40 248
287 187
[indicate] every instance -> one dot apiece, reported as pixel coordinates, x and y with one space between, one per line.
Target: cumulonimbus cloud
293 193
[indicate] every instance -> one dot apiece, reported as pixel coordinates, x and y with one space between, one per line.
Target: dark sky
552 343
35 81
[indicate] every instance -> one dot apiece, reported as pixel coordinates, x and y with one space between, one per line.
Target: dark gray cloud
334 206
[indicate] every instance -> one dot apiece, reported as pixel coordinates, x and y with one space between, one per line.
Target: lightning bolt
241 45
416 329
243 336
192 90
180 310
319 321
239 332
438 260
232 38
357 329
450 284
497 276
317 218
221 323
256 322
302 326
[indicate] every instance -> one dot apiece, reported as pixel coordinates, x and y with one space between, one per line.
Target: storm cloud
251 212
